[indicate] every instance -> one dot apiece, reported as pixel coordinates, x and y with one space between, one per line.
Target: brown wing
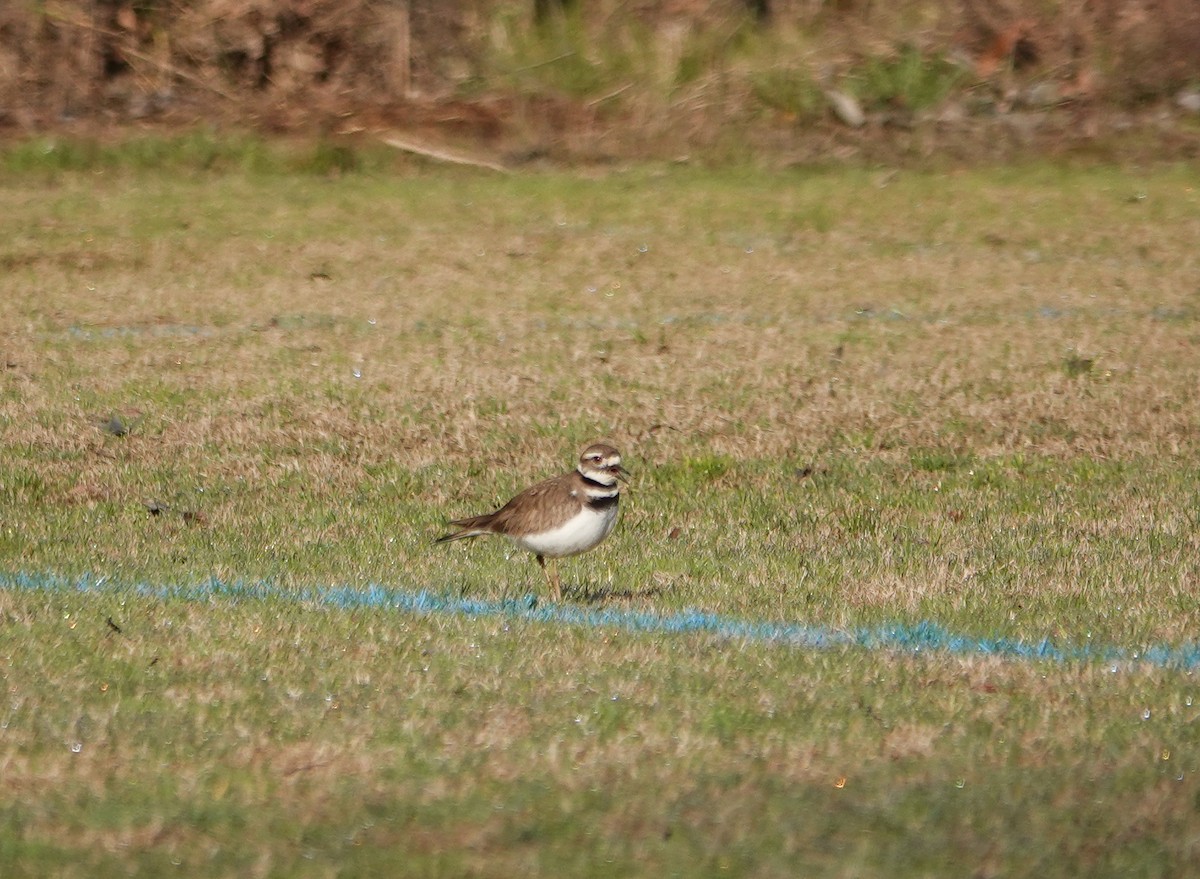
533 509
528 512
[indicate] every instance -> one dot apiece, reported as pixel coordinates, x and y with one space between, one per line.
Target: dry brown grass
868 329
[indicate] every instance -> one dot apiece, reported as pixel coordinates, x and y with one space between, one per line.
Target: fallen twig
441 155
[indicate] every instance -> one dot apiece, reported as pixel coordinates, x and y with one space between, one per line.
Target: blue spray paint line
918 638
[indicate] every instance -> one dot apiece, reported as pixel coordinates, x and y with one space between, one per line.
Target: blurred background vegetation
569 79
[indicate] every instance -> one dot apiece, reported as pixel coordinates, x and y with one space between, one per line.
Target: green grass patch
793 91
268 737
849 399
196 151
908 79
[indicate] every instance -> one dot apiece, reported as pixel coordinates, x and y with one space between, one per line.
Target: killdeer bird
562 516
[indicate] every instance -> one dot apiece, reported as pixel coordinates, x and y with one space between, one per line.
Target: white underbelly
577 535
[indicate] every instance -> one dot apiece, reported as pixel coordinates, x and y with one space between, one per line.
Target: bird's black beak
620 472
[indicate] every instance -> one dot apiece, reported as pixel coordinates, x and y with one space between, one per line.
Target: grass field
852 399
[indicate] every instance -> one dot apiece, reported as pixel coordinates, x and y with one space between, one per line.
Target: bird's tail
459 535
475 526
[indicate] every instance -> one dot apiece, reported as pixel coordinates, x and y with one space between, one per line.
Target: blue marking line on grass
923 637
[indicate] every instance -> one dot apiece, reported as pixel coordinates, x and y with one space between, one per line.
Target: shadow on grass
598 595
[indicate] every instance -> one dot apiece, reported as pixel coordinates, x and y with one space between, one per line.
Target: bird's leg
551 577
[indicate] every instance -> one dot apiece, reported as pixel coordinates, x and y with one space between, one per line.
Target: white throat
603 477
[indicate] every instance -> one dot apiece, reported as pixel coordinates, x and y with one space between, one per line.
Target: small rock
846 108
1189 99
1041 95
